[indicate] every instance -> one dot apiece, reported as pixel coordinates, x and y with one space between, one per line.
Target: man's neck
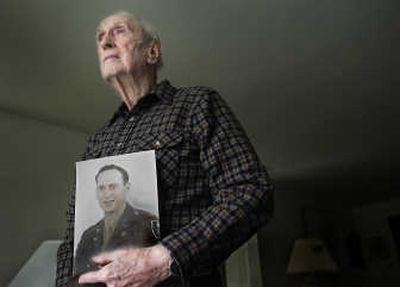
113 217
110 223
131 89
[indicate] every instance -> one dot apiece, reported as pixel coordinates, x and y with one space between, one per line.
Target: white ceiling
314 82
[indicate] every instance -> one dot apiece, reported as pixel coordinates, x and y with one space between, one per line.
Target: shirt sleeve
241 191
65 252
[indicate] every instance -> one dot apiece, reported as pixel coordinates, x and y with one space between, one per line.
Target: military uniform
135 227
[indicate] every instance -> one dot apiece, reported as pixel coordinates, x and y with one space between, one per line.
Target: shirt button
119 144
157 144
131 119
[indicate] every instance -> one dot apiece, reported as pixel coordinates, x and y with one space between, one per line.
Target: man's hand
130 267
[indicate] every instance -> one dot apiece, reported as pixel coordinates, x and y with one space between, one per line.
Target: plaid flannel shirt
213 190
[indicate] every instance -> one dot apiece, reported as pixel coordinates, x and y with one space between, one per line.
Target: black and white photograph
116 205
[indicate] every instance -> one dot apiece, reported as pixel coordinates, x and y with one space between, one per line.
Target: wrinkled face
111 190
119 49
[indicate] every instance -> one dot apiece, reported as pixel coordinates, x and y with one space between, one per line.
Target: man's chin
109 210
111 74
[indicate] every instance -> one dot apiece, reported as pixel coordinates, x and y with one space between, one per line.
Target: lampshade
310 255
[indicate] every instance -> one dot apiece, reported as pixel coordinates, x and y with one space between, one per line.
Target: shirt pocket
167 146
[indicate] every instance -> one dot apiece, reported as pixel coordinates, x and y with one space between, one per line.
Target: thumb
92 277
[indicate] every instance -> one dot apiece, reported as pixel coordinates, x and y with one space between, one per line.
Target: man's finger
104 258
101 260
93 277
107 257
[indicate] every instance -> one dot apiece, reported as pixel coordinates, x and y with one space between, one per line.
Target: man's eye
100 37
119 30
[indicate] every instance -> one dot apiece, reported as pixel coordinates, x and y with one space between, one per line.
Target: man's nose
108 41
108 191
105 192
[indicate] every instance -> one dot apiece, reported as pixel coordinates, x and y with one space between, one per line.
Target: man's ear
153 53
127 187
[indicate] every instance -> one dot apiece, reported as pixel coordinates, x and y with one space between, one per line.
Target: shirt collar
163 91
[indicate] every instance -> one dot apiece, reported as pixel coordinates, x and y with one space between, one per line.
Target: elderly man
213 191
122 224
